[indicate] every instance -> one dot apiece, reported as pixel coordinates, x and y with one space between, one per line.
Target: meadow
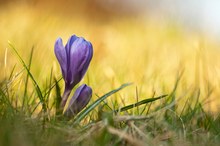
154 83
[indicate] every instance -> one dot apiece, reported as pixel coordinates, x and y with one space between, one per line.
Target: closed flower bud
79 100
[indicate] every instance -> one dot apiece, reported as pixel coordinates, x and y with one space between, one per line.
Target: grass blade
97 102
12 71
47 90
145 101
27 78
58 98
46 96
38 90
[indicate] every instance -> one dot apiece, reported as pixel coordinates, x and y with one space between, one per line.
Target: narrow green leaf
46 96
145 101
38 90
12 71
27 78
97 102
58 98
47 90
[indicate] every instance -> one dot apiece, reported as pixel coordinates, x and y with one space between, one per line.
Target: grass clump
31 117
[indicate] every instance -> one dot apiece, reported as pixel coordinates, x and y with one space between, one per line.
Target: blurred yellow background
129 46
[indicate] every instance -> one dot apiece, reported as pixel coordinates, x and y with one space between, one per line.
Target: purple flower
74 61
79 100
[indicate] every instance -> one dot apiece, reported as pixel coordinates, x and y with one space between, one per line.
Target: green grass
173 98
29 116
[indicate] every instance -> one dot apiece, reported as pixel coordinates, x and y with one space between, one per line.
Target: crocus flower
74 60
79 100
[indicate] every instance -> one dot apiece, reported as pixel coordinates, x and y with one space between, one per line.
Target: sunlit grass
150 54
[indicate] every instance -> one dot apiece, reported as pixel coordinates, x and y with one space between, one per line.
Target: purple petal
71 67
70 41
80 57
61 55
79 100
68 46
88 60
